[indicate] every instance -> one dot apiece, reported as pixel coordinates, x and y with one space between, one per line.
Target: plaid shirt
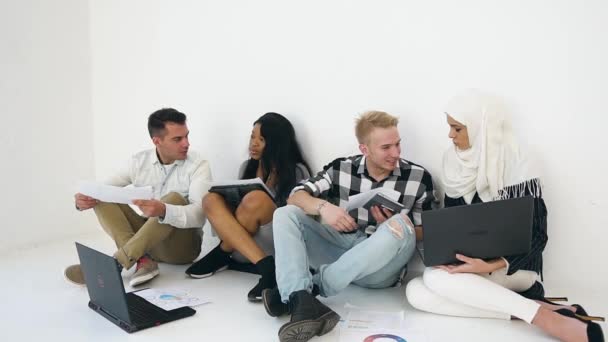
345 177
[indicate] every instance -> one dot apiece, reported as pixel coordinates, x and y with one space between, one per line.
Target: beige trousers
135 235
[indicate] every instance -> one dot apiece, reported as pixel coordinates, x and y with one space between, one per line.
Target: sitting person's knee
399 227
437 279
210 201
287 210
104 205
254 201
107 208
418 295
396 229
377 282
174 198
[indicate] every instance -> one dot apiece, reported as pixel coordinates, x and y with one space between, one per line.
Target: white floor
39 304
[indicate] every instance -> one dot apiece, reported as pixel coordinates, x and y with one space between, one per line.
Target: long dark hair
281 154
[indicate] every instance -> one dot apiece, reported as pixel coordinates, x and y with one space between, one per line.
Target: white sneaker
145 271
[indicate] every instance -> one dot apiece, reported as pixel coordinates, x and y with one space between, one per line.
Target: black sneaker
309 318
268 280
215 261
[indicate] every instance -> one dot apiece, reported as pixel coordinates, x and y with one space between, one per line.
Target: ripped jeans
301 242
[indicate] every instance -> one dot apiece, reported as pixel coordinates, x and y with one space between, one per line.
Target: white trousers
473 295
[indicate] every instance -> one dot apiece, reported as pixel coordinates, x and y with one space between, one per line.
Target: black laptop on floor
483 230
108 298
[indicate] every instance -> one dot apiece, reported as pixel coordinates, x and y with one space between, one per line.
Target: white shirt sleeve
191 215
123 176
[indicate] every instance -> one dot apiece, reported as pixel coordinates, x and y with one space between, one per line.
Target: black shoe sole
266 300
206 275
302 331
254 299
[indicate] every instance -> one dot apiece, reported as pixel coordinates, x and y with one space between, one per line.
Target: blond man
366 248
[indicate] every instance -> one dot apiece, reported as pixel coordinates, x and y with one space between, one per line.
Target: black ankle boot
268 280
274 304
309 318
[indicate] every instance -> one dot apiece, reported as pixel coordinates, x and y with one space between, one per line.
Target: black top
533 261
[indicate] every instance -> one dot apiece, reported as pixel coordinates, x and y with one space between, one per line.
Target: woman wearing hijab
486 164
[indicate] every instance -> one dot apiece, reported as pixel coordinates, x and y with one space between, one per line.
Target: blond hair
370 120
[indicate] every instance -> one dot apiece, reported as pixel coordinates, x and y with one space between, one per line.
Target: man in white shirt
170 229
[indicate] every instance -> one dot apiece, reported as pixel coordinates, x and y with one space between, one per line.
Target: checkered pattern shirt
345 177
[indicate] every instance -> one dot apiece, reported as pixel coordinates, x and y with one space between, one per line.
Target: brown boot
74 275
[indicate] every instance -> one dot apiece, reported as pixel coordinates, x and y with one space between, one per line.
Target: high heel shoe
580 311
594 331
586 317
550 300
582 318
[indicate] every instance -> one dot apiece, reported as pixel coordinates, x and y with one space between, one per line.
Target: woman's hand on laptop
473 265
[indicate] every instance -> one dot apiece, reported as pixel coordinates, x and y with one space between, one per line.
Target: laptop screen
104 283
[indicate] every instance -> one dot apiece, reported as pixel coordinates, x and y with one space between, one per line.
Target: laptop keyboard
141 311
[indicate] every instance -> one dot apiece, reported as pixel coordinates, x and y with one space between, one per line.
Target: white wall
320 63
46 119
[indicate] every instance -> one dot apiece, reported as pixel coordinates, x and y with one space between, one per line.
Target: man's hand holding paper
151 208
84 202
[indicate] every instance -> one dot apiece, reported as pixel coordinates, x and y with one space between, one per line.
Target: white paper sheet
374 326
257 180
357 201
115 194
170 299
365 319
382 335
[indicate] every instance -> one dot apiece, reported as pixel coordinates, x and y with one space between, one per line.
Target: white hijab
494 160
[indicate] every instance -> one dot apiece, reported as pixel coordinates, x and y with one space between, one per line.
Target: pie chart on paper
169 297
384 338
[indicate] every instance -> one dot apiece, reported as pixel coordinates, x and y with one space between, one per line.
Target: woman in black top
275 158
486 164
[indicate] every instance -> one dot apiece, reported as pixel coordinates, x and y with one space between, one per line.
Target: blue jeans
374 262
